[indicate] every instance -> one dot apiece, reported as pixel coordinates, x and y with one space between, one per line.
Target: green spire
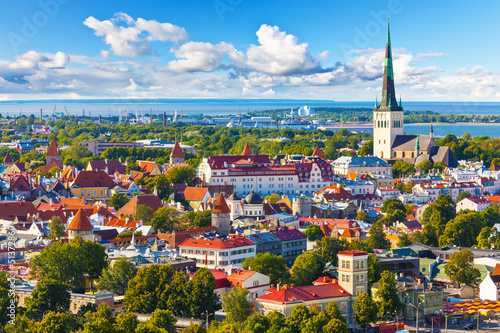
400 104
389 100
376 102
417 144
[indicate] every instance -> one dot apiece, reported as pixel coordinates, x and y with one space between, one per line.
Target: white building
473 203
367 164
490 288
387 193
213 253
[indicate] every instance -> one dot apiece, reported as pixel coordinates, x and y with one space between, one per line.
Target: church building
389 139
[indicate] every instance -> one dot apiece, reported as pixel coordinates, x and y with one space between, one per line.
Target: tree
194 328
163 319
164 219
256 323
333 312
463 230
7 303
401 168
143 213
126 322
22 324
200 295
374 268
272 198
316 323
462 195
95 257
328 247
307 268
391 205
440 166
236 305
297 320
49 295
365 309
461 270
366 148
424 166
377 239
133 167
270 265
115 278
181 175
361 215
489 238
404 240
336 326
118 200
313 232
56 228
387 293
62 262
54 323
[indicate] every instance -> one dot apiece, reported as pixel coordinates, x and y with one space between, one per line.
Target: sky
284 49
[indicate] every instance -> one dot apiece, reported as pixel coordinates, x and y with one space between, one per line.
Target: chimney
292 286
278 286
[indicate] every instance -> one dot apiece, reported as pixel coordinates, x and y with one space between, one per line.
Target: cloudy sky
319 49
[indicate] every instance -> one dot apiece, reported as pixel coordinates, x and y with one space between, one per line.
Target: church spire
389 101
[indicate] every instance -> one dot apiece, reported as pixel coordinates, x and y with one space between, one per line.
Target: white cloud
132 39
133 86
269 93
204 57
424 56
280 53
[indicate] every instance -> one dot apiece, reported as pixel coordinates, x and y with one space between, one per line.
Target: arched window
412 155
381 154
403 154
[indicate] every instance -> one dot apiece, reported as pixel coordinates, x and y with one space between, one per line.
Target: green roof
439 269
402 252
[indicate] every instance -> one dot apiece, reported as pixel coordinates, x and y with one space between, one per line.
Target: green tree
424 166
387 293
118 200
366 148
461 270
297 320
489 238
463 230
332 311
365 309
181 174
272 198
200 294
404 240
336 326
143 213
328 247
56 228
49 295
95 258
361 215
22 324
462 195
256 323
163 319
401 168
134 167
440 166
316 323
391 205
54 323
7 303
194 328
116 277
307 268
270 265
126 322
377 239
164 219
236 305
374 268
313 232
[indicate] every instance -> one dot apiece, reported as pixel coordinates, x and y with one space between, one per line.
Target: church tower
388 115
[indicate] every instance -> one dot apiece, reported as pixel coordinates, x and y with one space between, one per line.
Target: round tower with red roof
80 226
221 216
53 153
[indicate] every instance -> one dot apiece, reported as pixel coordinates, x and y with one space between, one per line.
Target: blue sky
443 50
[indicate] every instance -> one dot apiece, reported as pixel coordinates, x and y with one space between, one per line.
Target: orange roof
195 193
221 205
80 222
317 152
146 166
353 253
350 233
240 276
496 271
53 149
177 151
123 223
305 293
72 201
247 150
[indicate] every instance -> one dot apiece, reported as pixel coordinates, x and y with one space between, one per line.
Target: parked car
470 326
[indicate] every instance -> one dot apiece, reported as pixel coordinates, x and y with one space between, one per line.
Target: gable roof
112 165
8 159
80 222
408 142
305 293
195 193
93 179
19 184
220 205
219 243
147 166
177 151
149 200
53 149
9 210
52 164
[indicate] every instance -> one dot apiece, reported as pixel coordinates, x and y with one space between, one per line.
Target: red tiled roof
130 207
52 164
112 165
317 152
353 253
324 280
217 162
351 233
286 234
19 184
496 271
177 151
247 150
80 222
63 213
9 210
232 242
195 193
146 166
305 293
220 205
240 276
72 201
53 149
221 280
94 179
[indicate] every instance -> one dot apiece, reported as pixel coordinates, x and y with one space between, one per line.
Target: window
88 193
